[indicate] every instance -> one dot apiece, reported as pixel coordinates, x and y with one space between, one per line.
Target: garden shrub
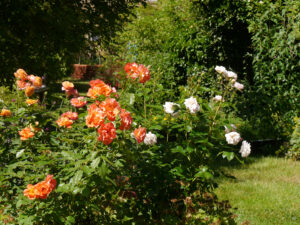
294 146
163 173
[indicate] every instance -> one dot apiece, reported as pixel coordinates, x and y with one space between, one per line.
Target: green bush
294 146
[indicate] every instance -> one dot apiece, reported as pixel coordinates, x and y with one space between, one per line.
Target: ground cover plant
116 156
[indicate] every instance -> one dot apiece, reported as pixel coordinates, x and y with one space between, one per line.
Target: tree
43 37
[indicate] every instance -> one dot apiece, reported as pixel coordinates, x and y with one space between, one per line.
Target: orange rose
111 108
35 80
78 102
40 190
67 86
132 70
21 84
26 133
126 120
70 115
95 117
21 74
31 101
29 91
144 74
64 122
96 91
5 112
140 134
97 83
107 133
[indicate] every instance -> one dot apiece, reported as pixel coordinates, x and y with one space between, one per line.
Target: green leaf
77 177
95 162
228 155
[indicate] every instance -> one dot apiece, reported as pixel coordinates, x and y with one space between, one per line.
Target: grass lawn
264 191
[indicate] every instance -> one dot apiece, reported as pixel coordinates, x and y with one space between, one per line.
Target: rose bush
122 157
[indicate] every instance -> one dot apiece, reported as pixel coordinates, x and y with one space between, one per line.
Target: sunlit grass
266 191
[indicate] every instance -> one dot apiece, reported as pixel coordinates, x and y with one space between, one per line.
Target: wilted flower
218 98
233 138
150 139
238 86
78 102
192 104
144 73
26 133
107 133
226 129
171 108
5 112
139 134
73 92
245 149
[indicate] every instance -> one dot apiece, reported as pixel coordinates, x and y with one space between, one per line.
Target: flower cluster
27 82
66 119
98 88
40 190
137 71
229 75
233 138
69 88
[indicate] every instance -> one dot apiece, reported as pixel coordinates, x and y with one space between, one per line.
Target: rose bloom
139 134
238 86
29 91
26 133
21 84
111 108
232 75
245 149
144 74
31 101
221 70
107 133
73 92
96 91
37 81
132 70
40 190
70 115
21 74
5 112
64 122
150 139
192 104
97 83
95 117
78 102
218 98
170 107
67 86
126 120
233 138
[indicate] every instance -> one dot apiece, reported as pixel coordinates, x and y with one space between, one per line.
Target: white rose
245 149
221 69
170 107
238 86
150 139
192 104
218 98
232 75
233 138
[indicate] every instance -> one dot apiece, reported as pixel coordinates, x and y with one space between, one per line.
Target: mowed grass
265 191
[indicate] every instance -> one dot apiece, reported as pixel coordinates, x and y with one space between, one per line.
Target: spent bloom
126 120
245 149
170 108
150 139
139 134
192 104
218 98
233 138
238 86
40 190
